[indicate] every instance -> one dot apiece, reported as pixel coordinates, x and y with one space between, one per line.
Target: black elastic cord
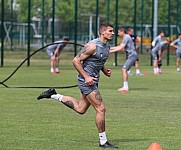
31 56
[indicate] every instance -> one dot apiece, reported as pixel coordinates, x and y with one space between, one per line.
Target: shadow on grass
139 89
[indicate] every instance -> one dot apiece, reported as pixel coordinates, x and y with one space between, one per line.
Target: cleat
156 73
47 94
108 145
57 72
129 73
139 74
123 90
53 72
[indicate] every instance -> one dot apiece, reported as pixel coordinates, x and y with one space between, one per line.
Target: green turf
149 112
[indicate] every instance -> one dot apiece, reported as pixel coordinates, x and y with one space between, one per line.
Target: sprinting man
157 40
157 55
53 52
177 44
89 62
134 38
126 45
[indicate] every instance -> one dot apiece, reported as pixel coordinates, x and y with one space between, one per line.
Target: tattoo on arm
98 95
81 52
69 104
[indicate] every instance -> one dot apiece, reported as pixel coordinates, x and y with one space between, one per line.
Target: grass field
149 112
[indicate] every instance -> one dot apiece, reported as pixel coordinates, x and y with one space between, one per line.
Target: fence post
116 32
2 33
29 23
75 27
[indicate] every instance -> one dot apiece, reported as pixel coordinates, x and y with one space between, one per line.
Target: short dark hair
122 29
129 29
103 26
161 31
66 39
179 34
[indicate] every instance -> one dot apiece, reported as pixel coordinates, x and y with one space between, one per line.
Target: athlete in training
157 41
128 46
89 62
157 53
53 52
134 38
177 44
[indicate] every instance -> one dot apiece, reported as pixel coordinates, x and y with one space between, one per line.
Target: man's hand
90 80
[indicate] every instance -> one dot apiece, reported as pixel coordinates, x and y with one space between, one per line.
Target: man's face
109 33
131 32
162 34
120 33
180 37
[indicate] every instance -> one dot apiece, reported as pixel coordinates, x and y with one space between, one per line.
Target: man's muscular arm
87 51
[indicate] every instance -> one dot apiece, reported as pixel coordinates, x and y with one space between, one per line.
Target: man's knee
101 110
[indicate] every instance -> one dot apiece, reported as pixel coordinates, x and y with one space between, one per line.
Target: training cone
154 146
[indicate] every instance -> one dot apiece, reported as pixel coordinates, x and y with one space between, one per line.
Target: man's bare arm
119 48
87 51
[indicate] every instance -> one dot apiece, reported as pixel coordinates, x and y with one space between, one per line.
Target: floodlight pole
155 25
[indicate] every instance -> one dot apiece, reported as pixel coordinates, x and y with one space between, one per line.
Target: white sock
137 71
57 97
129 71
178 69
125 84
103 138
51 70
56 70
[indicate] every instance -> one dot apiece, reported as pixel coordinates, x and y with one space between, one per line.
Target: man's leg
178 64
155 66
57 60
79 106
52 61
96 101
138 73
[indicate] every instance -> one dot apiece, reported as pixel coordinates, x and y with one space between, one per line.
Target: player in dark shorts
89 62
157 55
134 38
157 41
126 45
177 44
53 52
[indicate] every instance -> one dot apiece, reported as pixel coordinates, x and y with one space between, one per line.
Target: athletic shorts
50 53
178 54
127 57
130 62
86 89
154 55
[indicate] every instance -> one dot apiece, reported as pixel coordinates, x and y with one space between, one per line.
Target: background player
128 46
134 38
53 52
157 40
177 45
157 55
